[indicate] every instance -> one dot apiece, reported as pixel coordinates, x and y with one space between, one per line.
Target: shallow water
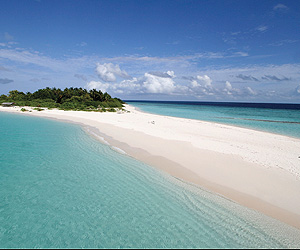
60 188
275 118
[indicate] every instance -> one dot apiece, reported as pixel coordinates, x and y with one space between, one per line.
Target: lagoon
61 188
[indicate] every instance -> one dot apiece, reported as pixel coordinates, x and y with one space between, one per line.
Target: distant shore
256 169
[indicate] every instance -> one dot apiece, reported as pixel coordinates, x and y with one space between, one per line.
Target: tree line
67 99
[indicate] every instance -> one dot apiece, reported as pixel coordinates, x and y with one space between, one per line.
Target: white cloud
205 81
228 88
194 84
147 84
228 85
280 7
262 28
156 84
171 73
98 85
130 86
108 72
201 86
239 54
168 74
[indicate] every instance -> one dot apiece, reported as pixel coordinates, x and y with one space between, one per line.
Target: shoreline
220 123
218 160
183 174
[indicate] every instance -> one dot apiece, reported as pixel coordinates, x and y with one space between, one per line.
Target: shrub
111 110
38 109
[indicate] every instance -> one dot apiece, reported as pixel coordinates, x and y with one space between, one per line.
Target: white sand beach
256 169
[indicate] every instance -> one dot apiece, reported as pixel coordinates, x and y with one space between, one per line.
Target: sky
183 50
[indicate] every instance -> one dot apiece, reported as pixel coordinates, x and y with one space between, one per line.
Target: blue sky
202 50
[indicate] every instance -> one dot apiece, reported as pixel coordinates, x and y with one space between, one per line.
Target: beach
256 169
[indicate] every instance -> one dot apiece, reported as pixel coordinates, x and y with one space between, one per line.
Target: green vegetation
67 99
38 109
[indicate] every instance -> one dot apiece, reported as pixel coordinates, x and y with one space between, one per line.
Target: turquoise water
60 188
279 121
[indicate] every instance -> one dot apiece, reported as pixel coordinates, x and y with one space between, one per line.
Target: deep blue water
271 117
60 188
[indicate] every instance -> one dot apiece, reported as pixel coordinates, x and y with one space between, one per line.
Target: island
67 99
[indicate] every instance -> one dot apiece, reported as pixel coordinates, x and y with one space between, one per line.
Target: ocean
276 118
61 188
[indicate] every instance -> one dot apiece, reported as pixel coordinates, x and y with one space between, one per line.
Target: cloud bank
142 77
168 84
152 82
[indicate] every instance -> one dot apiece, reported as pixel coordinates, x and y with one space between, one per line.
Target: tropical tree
16 95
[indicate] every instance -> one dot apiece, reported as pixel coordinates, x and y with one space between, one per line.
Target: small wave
119 150
97 136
